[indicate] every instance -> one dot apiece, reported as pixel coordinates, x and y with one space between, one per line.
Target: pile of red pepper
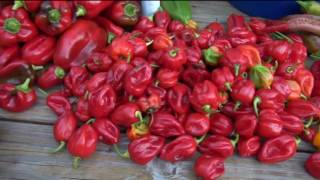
174 89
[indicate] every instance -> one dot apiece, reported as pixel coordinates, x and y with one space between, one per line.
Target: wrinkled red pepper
82 109
108 133
223 78
302 108
161 42
99 61
174 58
228 109
246 125
121 49
280 84
209 167
116 74
249 147
178 98
111 29
144 24
125 13
126 114
279 50
76 79
197 124
268 99
167 78
58 102
270 124
193 75
306 81
235 60
243 92
292 124
221 124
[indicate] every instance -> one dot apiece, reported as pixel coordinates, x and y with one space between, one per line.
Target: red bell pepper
178 98
261 76
116 74
235 60
126 114
82 143
82 109
91 9
193 75
111 29
161 42
167 78
77 44
197 124
76 79
268 99
54 17
165 125
208 167
249 147
306 81
125 13
181 148
280 84
221 124
292 124
243 92
51 77
278 149
58 102
162 19
99 61
312 165
302 108
223 78
31 6
246 125
15 26
269 124
144 24
108 133
17 98
173 58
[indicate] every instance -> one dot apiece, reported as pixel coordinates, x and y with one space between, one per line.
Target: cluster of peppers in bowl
174 89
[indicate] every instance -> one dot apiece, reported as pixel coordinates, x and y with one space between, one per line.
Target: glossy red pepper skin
246 125
298 54
108 133
77 43
121 49
125 13
278 149
228 109
203 39
221 124
76 79
116 74
302 108
235 60
95 81
102 101
58 102
140 48
51 77
217 146
181 148
280 84
144 24
288 70
269 124
193 75
112 29
64 127
162 19
223 78
175 26
167 78
173 58
39 51
145 149
161 42
257 25
99 61
125 114
249 147
7 54
54 17
292 124
312 165
243 91
279 50
306 81
82 109
178 98
316 88
30 6
165 125
209 167
91 9
269 99
197 124
19 27
193 55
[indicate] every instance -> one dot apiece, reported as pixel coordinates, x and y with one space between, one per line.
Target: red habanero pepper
76 79
126 114
91 9
220 124
252 53
309 134
95 81
108 133
193 75
204 97
31 6
298 53
288 70
217 28
167 78
63 128
54 17
58 102
292 124
268 99
223 78
248 147
188 35
181 148
302 108
316 88
295 90
228 109
140 48
235 60
99 61
193 55
161 42
121 49
278 149
279 50
161 92
138 130
144 24
315 70
202 40
222 44
173 58
15 70
162 19
280 84
150 103
111 29
306 81
102 101
15 26
197 124
17 98
51 77
246 125
39 51
270 124
312 165
166 125
82 109
209 167
116 74
125 13
77 44
243 92
257 25
175 26
261 76
82 144
178 98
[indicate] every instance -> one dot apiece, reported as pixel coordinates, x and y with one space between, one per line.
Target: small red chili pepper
312 165
17 98
193 75
82 144
165 125
31 6
51 77
58 102
178 98
167 78
223 78
116 73
161 42
246 125
292 124
76 79
306 81
15 26
108 133
243 92
269 124
302 108
82 109
99 61
209 167
91 9
181 148
126 114
197 124
162 19
111 29
280 84
221 124
268 99
278 149
174 58
248 147
235 60
125 13
144 24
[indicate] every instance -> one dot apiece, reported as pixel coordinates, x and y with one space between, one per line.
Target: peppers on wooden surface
76 80
197 124
51 77
126 114
312 165
221 124
58 102
209 167
248 147
178 98
108 132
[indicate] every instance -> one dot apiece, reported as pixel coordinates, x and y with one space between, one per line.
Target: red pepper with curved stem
220 124
102 101
295 90
76 80
161 42
126 114
77 43
228 109
63 128
99 61
235 60
312 165
306 81
288 70
193 75
178 98
175 26
302 108
223 78
17 98
121 49
162 19
124 13
280 84
218 146
39 51
249 147
111 29
31 6
51 77
58 102
278 149
82 109
91 9
261 76
204 97
268 99
144 24
315 70
173 58
165 125
269 124
116 74
246 125
54 17
108 133
82 144
167 78
279 50
197 124
15 26
292 124
181 148
243 92
209 167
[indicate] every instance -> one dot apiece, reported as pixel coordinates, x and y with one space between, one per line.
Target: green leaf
179 10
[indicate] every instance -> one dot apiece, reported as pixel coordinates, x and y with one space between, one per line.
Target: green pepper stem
59 72
124 155
236 69
75 162
18 4
149 43
12 25
130 10
256 102
309 123
173 53
290 69
129 58
24 87
228 86
138 115
244 75
54 16
81 11
43 91
235 140
303 96
298 140
36 68
199 140
236 105
59 148
282 36
111 37
154 65
207 108
90 121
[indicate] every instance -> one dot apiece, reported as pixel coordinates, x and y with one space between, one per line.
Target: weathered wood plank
23 155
